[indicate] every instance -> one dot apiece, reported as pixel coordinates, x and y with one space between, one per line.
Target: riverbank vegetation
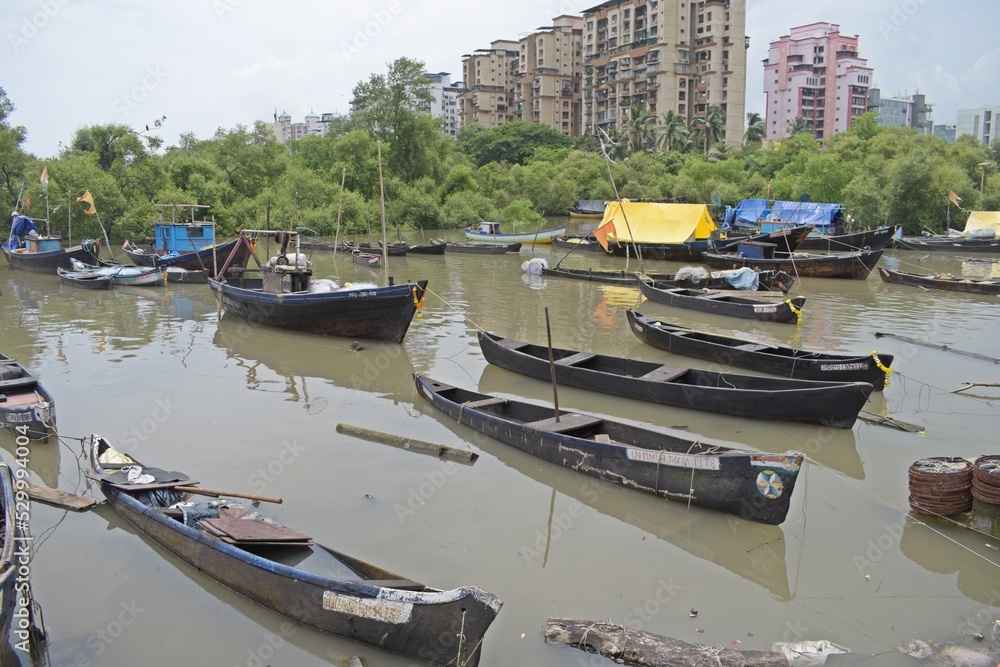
514 173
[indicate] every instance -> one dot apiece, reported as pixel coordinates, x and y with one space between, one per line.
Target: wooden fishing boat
834 404
261 561
482 248
361 258
870 239
784 239
756 486
757 356
948 244
395 249
689 251
26 408
855 265
85 279
45 254
723 302
588 208
568 242
136 276
777 281
941 281
489 232
427 249
284 296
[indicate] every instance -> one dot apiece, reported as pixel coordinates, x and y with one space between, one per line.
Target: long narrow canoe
945 282
336 594
483 248
26 408
855 265
756 486
948 244
722 302
768 280
541 236
834 404
753 355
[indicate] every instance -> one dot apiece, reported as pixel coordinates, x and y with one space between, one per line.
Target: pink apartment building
815 73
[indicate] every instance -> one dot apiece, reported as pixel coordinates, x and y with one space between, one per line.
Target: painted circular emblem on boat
769 484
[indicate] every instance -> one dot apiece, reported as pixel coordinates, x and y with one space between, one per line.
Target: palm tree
709 127
755 129
638 127
798 124
672 134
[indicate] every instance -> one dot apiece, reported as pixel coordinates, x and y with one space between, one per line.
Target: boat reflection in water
754 551
43 458
299 359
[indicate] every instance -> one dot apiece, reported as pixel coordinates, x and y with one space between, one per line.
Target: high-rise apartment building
444 102
285 130
490 74
982 123
547 89
901 110
670 55
815 74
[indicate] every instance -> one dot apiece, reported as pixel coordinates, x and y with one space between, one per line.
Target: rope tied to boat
419 303
796 311
882 367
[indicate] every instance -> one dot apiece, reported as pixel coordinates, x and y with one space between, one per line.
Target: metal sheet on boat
386 611
673 459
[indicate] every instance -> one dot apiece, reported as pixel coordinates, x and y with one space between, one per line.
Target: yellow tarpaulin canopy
651 222
983 220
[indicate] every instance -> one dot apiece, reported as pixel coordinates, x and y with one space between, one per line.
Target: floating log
60 499
935 346
891 422
419 446
635 647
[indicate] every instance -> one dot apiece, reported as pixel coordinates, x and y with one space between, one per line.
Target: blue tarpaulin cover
747 212
19 228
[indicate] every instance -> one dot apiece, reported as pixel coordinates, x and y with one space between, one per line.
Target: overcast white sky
206 64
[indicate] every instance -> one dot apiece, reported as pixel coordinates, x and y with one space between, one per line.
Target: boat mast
340 210
381 192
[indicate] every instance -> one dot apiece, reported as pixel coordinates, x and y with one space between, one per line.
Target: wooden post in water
340 209
381 197
552 364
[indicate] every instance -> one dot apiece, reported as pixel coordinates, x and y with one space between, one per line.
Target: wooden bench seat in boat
750 347
486 402
577 358
664 374
403 584
17 383
567 422
716 295
511 344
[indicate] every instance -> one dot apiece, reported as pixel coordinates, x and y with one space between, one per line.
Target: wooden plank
18 382
750 347
577 358
463 456
567 422
487 402
635 647
60 499
715 295
664 374
511 344
254 530
879 420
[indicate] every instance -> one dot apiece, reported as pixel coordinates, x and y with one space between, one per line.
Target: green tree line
514 173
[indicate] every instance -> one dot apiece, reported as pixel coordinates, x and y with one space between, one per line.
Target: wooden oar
233 494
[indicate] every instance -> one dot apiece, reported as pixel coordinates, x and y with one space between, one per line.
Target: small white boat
489 232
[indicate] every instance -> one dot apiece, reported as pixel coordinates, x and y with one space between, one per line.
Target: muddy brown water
256 410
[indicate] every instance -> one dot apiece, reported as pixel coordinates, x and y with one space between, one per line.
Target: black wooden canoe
336 594
769 280
834 404
945 282
755 486
948 244
870 239
483 248
26 408
774 359
856 265
722 302
427 249
85 280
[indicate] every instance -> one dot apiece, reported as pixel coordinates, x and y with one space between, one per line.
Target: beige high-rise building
489 79
548 86
672 55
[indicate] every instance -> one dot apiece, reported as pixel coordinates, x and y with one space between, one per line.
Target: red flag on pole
601 233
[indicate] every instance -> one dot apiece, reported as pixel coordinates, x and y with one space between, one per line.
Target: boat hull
854 265
785 239
949 244
49 262
776 360
27 408
673 252
380 313
871 239
952 284
757 487
833 404
196 260
424 624
429 249
482 248
733 306
85 280
769 280
542 236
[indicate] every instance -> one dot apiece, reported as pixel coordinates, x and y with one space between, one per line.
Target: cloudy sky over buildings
206 64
